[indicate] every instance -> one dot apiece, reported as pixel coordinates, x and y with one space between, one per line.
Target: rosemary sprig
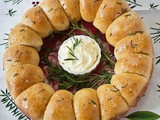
105 56
11 12
5 43
158 61
153 6
13 1
156 33
9 103
133 3
71 50
67 80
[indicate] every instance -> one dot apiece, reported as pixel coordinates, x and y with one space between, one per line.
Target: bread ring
34 100
113 106
37 20
139 43
108 11
89 8
135 63
21 77
21 55
72 9
23 35
86 105
133 69
60 106
55 14
126 24
131 86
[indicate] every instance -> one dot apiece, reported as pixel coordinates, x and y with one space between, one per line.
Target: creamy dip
79 54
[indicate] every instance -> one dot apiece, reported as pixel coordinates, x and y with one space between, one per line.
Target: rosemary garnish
11 12
132 34
156 33
105 56
9 103
67 80
13 1
158 61
5 39
71 50
133 3
153 6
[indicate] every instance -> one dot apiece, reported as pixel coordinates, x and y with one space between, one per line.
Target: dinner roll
131 86
55 14
126 24
23 35
21 77
113 106
89 8
108 11
21 55
135 63
34 100
72 9
37 20
138 43
86 105
60 106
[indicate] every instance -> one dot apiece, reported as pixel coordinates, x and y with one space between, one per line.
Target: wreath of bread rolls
124 30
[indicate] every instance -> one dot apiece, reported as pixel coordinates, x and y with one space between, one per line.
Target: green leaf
143 115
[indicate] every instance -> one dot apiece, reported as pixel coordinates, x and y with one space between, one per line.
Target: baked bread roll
113 106
126 24
89 8
139 43
135 63
23 35
86 105
21 55
131 86
72 9
37 20
60 106
55 14
108 11
34 100
21 77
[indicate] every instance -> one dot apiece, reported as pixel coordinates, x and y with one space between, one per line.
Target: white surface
151 100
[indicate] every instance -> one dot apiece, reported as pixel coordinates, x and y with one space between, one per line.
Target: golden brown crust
72 9
124 25
131 86
60 106
23 35
112 105
34 100
89 8
37 20
108 11
135 63
21 77
140 43
55 14
20 55
86 105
